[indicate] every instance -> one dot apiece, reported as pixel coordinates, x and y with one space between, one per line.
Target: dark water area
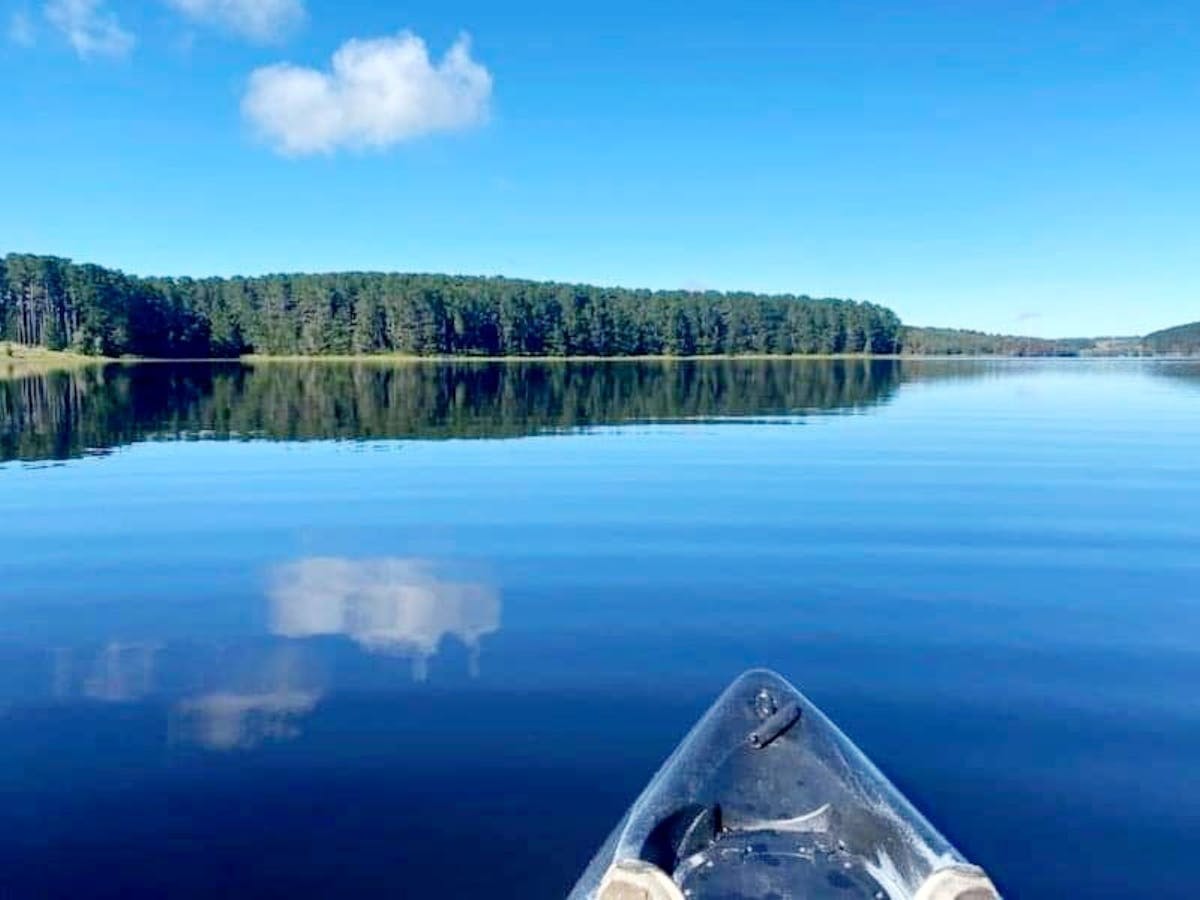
305 630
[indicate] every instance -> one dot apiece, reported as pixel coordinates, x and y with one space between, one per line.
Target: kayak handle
779 723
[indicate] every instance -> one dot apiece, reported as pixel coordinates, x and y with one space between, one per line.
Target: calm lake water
317 630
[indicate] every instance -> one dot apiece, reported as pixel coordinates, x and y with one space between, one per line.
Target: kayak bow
766 799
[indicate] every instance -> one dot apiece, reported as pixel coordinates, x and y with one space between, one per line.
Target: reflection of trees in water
396 606
65 414
915 370
1184 373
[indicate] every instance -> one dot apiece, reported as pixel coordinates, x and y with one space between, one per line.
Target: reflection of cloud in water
119 673
396 606
254 705
229 721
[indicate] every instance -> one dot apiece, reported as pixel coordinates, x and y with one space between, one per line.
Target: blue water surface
441 660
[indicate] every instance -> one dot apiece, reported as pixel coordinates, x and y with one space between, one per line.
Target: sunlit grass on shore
17 360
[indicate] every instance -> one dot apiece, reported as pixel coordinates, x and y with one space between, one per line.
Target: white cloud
377 93
20 29
89 27
259 20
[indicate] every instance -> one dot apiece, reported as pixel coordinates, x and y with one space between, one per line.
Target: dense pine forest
54 303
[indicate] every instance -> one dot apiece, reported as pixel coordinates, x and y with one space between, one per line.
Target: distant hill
917 341
961 342
1182 339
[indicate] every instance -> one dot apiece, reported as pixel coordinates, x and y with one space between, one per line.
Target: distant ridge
963 342
1182 339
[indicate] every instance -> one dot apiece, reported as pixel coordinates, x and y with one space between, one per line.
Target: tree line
963 342
54 303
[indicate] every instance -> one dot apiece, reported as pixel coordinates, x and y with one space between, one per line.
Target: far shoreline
17 359
658 357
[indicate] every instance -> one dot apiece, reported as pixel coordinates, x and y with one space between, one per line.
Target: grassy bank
18 359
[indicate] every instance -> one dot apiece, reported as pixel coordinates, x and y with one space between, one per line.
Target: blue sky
1012 166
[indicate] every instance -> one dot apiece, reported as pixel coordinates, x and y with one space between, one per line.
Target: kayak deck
766 798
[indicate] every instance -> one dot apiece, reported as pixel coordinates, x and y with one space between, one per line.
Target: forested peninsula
52 303
56 304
